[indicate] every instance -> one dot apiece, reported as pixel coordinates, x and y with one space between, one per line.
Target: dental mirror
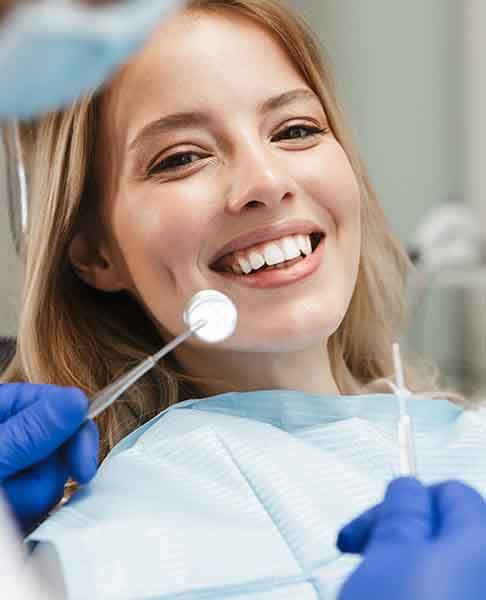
210 314
216 310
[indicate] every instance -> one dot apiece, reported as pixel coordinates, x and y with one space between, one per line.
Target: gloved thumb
405 516
353 537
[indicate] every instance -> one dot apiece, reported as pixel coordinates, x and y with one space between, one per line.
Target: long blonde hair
74 335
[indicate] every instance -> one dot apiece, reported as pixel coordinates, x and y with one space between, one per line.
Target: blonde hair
74 335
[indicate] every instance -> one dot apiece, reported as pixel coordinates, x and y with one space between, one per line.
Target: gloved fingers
458 506
17 396
405 517
35 491
353 537
80 453
40 428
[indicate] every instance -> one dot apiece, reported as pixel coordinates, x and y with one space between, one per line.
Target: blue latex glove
420 543
41 445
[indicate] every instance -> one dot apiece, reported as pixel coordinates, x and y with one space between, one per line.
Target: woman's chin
282 340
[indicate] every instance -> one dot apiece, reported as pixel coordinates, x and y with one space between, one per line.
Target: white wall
475 163
397 63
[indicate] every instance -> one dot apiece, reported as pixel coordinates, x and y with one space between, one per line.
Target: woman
221 136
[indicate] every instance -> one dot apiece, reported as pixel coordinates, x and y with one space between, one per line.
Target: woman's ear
94 266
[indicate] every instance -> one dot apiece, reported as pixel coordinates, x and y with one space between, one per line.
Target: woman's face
216 135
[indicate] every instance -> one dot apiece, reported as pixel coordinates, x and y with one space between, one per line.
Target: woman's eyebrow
286 98
185 120
180 120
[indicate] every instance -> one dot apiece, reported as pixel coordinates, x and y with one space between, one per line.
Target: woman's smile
284 273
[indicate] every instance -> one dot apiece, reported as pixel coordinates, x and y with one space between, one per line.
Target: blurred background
411 77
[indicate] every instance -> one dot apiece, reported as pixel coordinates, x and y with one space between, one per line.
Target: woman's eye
181 160
174 162
298 132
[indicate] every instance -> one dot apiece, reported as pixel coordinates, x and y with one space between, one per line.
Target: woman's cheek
344 197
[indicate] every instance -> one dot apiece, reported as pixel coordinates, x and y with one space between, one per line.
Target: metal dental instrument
210 314
405 435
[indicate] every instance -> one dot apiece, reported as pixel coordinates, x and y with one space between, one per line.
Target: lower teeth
279 266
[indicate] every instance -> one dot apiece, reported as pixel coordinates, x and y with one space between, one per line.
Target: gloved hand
41 444
421 543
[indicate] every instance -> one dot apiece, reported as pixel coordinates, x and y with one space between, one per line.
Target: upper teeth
271 253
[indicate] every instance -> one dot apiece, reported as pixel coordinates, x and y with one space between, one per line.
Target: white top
45 567
37 577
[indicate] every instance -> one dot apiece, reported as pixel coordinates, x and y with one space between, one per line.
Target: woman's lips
225 262
267 234
279 277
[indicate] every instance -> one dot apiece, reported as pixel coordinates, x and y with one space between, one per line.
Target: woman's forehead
201 59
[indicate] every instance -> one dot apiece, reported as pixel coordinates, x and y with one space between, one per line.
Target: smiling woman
217 151
191 154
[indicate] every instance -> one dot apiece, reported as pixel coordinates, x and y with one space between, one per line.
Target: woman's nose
259 177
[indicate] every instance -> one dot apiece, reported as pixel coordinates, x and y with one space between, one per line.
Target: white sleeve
45 564
18 580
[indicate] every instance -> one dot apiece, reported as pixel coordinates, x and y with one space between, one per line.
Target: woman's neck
305 370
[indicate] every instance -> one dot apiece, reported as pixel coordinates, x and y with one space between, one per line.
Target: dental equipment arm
449 236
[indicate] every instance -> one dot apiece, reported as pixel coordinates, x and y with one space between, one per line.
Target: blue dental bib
240 496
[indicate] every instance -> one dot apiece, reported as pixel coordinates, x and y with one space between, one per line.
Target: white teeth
245 265
303 243
273 254
290 248
256 260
